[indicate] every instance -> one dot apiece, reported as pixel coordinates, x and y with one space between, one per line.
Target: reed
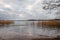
50 23
6 22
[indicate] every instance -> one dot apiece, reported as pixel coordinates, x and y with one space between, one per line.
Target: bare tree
52 5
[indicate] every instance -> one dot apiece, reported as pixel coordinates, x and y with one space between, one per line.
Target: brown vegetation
49 23
6 22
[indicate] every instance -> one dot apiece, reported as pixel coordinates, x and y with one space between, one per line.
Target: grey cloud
20 7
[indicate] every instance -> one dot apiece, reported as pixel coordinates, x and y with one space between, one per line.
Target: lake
28 28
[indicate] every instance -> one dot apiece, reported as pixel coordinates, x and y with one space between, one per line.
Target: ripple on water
29 29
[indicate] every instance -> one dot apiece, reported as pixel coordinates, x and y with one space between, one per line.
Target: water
28 28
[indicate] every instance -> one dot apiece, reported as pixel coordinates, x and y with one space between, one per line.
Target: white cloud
21 15
8 6
29 7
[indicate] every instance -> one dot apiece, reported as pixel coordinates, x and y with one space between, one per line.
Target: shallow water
27 28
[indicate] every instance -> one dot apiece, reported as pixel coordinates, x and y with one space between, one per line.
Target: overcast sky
25 9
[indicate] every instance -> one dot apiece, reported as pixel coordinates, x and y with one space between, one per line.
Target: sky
26 9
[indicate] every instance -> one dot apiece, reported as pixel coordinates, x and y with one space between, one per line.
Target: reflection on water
27 28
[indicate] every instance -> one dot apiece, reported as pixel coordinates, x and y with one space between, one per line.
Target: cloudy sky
25 9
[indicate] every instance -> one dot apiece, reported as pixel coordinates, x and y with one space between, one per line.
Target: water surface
28 28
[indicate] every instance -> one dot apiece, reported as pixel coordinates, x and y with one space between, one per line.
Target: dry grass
6 22
50 23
